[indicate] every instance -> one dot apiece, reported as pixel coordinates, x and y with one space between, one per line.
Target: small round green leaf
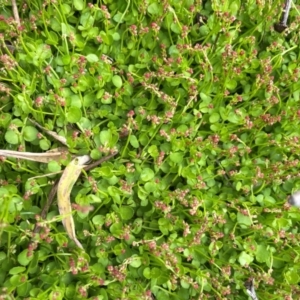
214 117
105 137
23 289
150 187
262 254
204 30
4 119
16 280
117 81
245 259
78 4
292 276
12 137
175 28
2 256
30 133
66 59
88 100
153 151
234 7
54 166
184 284
231 84
85 123
95 154
176 157
74 114
238 186
105 171
234 118
154 9
134 141
205 97
137 225
45 144
116 36
116 229
147 273
136 262
16 270
75 101
35 292
23 259
98 220
17 122
156 272
92 58
126 212
118 18
147 174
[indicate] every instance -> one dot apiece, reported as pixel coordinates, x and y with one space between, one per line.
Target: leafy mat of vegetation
201 100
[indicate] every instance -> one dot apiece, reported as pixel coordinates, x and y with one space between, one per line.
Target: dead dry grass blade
57 137
46 157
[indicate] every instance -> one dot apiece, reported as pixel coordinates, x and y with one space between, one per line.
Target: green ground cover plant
201 101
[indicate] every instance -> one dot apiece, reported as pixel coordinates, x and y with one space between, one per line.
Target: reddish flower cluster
160 158
8 62
126 187
117 273
82 208
80 265
4 89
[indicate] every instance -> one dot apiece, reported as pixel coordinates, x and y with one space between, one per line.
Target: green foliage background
202 102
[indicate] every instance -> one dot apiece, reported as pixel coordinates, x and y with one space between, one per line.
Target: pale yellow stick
59 138
40 157
65 185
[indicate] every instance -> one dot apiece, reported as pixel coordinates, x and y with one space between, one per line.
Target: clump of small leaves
200 99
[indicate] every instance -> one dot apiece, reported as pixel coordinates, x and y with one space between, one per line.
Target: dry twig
15 12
